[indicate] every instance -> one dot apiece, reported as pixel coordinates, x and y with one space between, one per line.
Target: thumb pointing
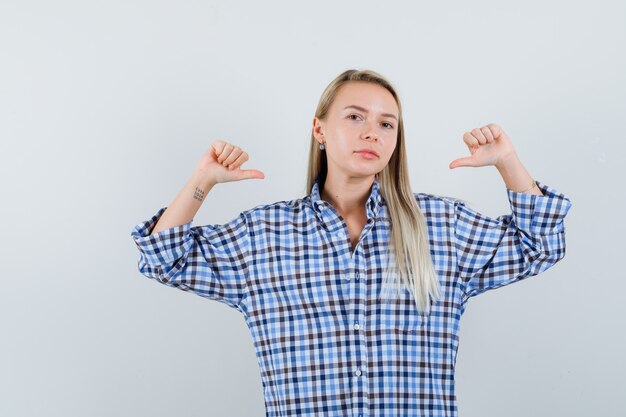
462 162
253 173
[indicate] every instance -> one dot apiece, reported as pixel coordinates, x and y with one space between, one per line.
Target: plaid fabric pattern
326 344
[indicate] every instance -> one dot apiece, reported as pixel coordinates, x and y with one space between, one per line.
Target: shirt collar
372 205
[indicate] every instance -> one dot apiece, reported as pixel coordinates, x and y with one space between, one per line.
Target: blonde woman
353 293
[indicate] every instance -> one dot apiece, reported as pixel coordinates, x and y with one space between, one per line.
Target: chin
365 173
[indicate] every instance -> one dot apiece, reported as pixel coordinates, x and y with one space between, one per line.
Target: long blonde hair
408 225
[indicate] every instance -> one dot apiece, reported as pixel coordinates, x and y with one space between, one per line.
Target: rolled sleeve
210 261
492 252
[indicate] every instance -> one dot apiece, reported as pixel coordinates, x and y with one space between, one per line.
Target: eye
384 123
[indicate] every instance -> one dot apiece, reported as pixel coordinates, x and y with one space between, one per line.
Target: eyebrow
365 110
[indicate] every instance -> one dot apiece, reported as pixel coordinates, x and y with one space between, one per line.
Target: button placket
354 267
353 308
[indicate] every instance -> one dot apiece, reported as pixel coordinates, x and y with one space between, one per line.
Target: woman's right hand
222 161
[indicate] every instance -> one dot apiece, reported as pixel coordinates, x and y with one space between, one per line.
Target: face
372 124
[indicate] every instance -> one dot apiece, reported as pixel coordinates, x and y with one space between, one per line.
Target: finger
217 147
253 173
228 148
495 129
240 160
479 135
487 133
232 157
467 161
470 140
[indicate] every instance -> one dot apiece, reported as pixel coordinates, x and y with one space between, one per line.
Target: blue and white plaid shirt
325 343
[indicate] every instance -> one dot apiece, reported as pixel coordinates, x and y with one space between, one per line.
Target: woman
312 275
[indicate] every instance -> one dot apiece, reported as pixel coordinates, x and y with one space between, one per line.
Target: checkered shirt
326 343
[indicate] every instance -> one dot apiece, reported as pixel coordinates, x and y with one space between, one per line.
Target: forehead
373 97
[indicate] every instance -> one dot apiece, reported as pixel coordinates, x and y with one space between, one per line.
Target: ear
318 128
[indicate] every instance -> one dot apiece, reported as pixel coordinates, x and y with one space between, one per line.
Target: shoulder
436 206
278 210
426 199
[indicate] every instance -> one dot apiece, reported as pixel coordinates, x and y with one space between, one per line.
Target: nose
370 134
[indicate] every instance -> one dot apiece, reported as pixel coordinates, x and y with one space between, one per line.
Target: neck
347 195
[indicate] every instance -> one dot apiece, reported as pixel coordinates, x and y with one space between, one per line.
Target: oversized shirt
326 343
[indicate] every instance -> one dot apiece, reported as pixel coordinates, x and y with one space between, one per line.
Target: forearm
187 203
515 175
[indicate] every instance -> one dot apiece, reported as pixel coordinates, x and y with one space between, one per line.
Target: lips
370 151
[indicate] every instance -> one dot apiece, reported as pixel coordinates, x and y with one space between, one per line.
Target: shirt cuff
539 215
164 247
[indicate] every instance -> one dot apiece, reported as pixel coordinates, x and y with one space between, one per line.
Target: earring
322 147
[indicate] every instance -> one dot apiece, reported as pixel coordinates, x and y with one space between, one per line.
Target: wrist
203 178
507 161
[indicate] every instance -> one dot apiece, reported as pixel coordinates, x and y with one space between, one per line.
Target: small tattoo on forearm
198 194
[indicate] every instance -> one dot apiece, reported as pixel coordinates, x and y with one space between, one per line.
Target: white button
357 274
356 326
346 277
358 372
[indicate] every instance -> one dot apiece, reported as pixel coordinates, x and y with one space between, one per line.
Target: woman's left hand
489 145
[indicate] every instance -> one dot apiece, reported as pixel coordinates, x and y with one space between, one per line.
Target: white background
106 107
